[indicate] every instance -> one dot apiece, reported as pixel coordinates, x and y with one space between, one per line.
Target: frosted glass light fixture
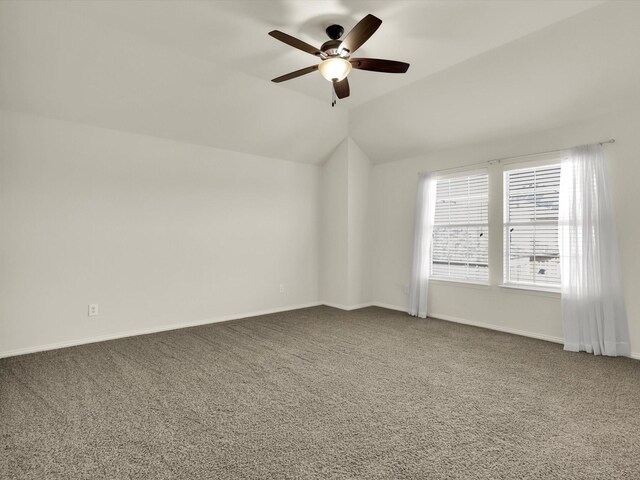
334 69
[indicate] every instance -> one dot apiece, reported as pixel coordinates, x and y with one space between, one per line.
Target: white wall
345 272
333 228
359 227
160 233
156 232
393 195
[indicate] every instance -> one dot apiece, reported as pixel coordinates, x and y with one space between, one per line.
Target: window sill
458 282
532 290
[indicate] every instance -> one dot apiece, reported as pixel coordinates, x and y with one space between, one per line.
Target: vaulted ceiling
200 72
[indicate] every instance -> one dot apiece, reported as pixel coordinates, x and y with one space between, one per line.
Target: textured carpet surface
320 393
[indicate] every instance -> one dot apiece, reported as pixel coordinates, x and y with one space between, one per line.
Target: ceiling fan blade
379 65
297 73
360 33
294 42
342 88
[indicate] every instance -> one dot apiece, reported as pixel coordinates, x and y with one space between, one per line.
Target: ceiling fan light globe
334 69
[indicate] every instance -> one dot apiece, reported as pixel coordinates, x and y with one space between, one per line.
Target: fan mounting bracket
334 31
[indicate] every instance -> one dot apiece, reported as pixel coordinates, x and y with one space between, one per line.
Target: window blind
531 226
460 248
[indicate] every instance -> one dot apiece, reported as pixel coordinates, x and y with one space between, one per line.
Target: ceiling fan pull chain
333 96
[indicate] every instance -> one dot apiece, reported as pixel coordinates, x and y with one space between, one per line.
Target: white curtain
593 312
422 235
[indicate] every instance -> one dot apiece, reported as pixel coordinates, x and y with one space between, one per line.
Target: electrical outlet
282 288
93 309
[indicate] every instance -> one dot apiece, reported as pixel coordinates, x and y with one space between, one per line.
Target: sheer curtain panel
422 238
593 312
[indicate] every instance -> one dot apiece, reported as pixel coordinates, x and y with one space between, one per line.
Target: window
460 249
531 253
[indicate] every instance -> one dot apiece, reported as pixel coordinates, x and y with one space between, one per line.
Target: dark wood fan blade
297 73
379 65
294 42
342 88
360 33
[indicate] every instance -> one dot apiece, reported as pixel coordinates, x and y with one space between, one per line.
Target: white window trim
543 160
474 283
457 173
534 290
549 160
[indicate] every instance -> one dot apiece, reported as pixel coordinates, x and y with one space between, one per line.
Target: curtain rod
499 160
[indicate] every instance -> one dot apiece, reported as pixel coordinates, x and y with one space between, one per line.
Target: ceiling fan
336 55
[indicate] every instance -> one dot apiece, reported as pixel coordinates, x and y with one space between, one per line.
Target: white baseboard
390 307
489 326
364 305
346 307
226 318
145 331
499 328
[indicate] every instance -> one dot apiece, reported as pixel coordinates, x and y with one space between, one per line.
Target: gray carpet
320 393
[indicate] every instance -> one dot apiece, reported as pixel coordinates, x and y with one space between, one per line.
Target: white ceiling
431 35
200 71
570 72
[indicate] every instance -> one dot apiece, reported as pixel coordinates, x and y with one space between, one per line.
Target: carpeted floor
320 393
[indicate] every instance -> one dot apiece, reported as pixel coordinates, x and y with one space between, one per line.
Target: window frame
467 281
548 161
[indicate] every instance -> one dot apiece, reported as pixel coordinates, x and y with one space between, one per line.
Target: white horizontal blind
531 226
460 248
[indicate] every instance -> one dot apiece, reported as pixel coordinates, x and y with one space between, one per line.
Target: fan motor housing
330 47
